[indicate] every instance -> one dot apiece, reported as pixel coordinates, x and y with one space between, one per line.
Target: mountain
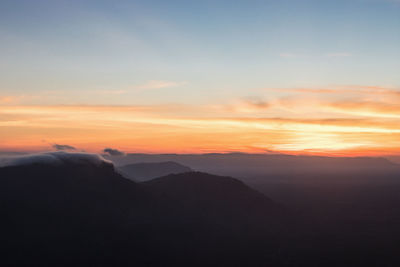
394 159
67 212
149 170
217 199
74 209
256 168
60 209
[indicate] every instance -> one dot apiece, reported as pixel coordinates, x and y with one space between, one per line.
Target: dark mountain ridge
83 213
224 200
62 209
269 159
144 171
255 168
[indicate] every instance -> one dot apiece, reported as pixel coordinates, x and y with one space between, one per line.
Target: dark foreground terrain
83 213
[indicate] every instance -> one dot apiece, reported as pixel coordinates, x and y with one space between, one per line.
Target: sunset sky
301 77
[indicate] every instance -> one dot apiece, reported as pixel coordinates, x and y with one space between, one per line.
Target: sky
300 77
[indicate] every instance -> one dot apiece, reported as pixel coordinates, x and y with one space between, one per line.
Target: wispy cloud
113 152
96 96
10 99
345 90
63 147
250 104
344 126
368 108
343 119
26 98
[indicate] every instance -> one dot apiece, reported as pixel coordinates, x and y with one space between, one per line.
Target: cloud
6 99
54 158
296 123
257 103
156 84
63 147
11 99
249 105
113 152
347 90
368 108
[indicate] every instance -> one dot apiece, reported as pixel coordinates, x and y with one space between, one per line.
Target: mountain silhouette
217 199
69 209
258 168
85 213
145 171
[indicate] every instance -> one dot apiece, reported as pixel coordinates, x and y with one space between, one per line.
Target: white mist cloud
53 158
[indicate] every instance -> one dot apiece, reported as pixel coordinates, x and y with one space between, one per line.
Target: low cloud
63 147
6 99
249 105
257 103
327 119
53 158
113 152
368 108
362 90
11 99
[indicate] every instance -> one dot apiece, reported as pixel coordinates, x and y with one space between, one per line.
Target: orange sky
365 121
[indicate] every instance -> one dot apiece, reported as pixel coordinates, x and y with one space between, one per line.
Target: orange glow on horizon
161 129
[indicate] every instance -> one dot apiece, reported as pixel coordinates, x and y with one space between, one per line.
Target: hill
256 168
145 171
73 210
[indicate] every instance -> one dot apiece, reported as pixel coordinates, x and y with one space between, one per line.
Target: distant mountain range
75 209
84 213
145 171
255 168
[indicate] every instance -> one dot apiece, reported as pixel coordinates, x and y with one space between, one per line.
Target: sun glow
159 129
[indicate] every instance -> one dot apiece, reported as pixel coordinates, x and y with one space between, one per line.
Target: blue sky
154 52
